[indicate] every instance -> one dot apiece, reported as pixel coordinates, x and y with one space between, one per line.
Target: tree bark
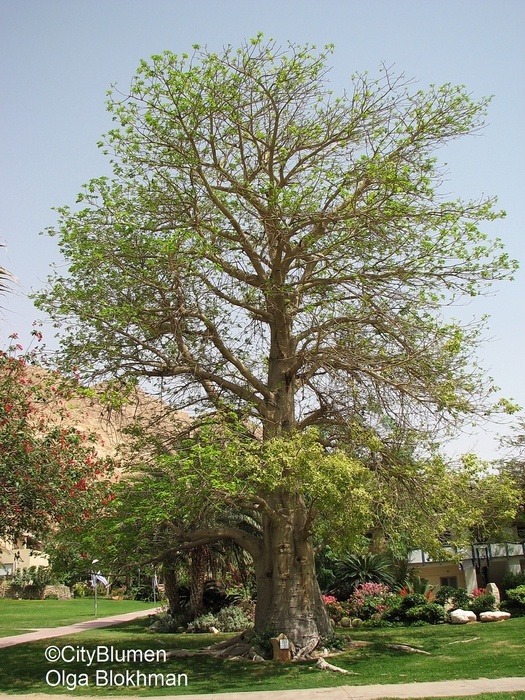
171 581
197 579
289 599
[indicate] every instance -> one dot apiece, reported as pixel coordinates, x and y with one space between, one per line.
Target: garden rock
492 589
461 617
346 622
494 615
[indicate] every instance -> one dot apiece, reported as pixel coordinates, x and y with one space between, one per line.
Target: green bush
510 582
457 596
517 595
515 602
413 600
263 641
461 599
79 590
400 606
335 641
203 623
432 613
167 624
483 603
231 619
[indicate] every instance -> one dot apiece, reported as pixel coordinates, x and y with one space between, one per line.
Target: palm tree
355 569
5 278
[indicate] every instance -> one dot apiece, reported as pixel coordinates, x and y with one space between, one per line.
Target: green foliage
168 624
334 641
433 613
458 597
276 257
511 581
230 619
517 594
263 641
420 585
515 601
355 569
414 608
483 603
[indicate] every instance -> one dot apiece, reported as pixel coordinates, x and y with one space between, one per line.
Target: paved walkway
439 689
49 632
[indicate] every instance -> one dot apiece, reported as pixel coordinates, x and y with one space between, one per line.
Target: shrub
432 613
515 602
461 599
231 619
203 623
477 592
356 569
79 590
413 600
510 582
458 597
483 603
369 599
167 624
379 624
336 609
262 641
517 595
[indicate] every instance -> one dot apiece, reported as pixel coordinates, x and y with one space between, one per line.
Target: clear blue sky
58 58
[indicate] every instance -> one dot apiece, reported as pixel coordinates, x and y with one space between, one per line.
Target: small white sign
284 644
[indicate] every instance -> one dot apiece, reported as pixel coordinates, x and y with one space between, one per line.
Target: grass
498 652
20 616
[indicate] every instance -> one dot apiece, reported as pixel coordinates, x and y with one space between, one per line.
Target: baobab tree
270 249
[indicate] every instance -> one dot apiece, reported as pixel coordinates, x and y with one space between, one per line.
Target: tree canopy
269 248
49 471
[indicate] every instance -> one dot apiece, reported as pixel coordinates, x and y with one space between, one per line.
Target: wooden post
281 648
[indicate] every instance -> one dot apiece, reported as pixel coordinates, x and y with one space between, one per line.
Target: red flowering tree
49 471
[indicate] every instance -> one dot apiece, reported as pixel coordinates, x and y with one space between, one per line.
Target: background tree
269 247
49 471
513 467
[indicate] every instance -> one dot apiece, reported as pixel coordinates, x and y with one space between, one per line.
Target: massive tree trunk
288 596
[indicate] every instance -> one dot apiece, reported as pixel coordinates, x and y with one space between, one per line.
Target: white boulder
461 617
494 616
492 589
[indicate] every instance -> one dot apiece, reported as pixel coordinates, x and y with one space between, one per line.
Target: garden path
49 632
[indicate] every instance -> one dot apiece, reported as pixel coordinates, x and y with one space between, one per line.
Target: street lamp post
94 583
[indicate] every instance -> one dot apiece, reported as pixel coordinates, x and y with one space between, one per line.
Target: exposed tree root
465 641
405 647
325 666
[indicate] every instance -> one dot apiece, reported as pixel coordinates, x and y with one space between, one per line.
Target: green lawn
499 652
20 616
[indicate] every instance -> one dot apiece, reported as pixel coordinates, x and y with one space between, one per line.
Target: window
6 569
451 581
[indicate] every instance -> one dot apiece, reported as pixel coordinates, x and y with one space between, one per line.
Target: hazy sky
59 57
